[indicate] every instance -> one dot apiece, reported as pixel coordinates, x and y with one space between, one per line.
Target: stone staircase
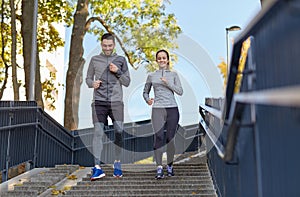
192 178
36 181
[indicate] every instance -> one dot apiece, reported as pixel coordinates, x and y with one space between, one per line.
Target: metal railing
253 132
29 135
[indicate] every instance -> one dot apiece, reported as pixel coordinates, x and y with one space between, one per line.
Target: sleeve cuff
119 73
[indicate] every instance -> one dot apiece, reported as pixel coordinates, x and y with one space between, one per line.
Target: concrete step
158 186
191 179
139 192
144 167
36 182
151 195
149 178
185 169
39 189
173 180
20 194
151 173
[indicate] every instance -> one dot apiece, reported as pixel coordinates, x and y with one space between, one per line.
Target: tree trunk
3 44
38 84
27 26
76 61
14 51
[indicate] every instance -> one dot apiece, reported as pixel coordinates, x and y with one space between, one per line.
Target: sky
205 21
201 47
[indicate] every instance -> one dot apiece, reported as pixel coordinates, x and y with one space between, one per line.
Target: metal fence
255 130
29 135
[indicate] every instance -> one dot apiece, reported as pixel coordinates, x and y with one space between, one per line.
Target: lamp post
228 29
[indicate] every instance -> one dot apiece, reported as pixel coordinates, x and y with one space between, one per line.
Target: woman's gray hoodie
163 92
110 89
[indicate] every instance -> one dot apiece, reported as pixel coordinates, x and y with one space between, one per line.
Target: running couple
107 73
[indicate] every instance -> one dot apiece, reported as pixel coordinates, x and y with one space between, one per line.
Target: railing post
73 147
7 160
35 138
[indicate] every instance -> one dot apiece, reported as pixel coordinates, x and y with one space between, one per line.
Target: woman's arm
176 86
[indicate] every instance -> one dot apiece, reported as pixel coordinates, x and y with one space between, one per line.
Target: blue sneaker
97 174
159 173
117 170
170 170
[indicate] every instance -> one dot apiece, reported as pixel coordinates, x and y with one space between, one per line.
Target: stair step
151 176
138 180
178 174
157 186
30 188
139 170
125 192
20 194
150 195
114 181
41 181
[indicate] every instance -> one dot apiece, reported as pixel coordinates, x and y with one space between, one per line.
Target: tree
4 61
140 26
14 51
49 12
26 30
242 61
223 69
20 13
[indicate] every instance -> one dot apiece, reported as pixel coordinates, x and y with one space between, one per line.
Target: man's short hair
108 36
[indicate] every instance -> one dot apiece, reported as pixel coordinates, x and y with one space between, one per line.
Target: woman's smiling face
162 60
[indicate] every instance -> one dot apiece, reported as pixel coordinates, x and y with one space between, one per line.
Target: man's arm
90 75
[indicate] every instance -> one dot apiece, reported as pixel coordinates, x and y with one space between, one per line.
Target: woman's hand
150 101
163 79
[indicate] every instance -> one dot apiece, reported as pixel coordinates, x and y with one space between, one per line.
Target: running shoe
159 173
97 173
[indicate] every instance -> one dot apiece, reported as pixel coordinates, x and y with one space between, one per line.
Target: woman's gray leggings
164 119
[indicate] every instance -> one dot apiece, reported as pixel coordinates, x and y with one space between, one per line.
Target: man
107 73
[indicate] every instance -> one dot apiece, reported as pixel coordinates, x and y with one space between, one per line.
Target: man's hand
96 84
113 68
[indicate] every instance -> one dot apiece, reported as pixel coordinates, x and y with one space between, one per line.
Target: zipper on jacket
107 79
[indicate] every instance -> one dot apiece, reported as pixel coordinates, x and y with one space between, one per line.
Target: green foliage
50 91
223 69
5 49
51 13
142 26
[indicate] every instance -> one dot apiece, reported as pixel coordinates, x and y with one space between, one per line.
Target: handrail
55 138
218 145
17 126
283 96
212 111
19 107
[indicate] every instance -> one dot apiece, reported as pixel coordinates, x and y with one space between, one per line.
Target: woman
165 113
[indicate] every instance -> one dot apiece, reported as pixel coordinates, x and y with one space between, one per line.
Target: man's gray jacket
110 89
